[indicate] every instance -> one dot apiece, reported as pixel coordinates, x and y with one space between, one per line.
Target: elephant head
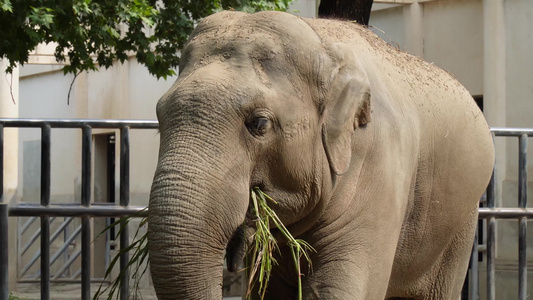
260 101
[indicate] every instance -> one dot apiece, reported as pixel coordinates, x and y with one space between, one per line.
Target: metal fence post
124 201
86 163
522 232
4 257
491 239
45 220
474 268
1 163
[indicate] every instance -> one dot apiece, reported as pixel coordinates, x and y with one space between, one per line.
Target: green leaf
5 5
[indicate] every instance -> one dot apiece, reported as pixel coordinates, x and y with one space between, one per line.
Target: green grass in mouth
264 245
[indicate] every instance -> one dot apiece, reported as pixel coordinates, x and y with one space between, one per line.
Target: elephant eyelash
259 125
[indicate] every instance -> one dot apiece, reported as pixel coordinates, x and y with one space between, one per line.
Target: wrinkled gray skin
376 158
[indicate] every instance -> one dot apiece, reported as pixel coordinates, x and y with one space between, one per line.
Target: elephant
375 157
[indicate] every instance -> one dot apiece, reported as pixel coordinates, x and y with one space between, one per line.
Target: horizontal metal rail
500 131
79 123
58 210
69 210
505 213
65 281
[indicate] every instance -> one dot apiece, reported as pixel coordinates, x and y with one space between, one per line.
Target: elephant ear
347 108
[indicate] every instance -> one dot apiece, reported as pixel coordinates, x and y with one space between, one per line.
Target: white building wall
384 22
456 45
45 96
519 68
121 92
518 64
9 107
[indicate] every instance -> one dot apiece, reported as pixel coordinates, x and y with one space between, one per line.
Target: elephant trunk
196 204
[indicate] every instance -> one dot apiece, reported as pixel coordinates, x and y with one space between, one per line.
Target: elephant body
376 158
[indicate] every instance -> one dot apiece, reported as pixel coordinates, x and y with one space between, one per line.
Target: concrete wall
121 92
9 107
304 8
518 16
456 45
385 21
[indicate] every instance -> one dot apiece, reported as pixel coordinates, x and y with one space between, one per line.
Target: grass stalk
265 244
139 256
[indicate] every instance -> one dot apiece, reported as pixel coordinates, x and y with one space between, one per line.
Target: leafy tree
92 33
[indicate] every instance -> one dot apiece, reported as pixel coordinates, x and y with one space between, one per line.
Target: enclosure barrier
490 213
85 210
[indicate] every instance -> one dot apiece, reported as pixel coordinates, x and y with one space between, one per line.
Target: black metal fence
85 210
490 213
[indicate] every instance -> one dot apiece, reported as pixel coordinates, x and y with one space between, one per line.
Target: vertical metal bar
107 254
86 163
124 201
474 262
491 251
1 163
45 220
522 169
66 256
522 232
4 258
491 238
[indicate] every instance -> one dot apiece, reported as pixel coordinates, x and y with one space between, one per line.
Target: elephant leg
351 270
449 274
346 281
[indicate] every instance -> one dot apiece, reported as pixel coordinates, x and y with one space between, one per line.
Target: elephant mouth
236 249
240 242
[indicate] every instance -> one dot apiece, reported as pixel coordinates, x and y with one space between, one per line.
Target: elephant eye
258 126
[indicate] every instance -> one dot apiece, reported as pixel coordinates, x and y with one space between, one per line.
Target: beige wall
122 92
304 8
519 72
456 45
387 22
